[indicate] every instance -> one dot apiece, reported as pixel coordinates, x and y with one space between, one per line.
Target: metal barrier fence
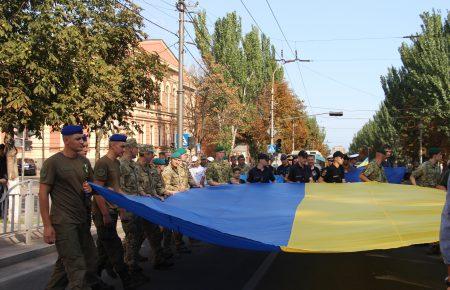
20 209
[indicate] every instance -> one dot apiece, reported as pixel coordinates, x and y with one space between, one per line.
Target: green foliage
72 62
416 94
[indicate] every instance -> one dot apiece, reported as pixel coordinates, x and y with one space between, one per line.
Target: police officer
428 173
64 177
262 172
334 173
218 171
105 214
283 169
299 171
374 170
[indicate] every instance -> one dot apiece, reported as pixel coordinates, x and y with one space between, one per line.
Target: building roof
159 47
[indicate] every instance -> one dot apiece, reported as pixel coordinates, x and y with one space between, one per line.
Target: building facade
158 122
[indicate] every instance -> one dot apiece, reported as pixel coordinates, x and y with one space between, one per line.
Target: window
167 98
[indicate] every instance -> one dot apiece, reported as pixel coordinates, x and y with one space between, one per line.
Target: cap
118 138
283 157
353 156
434 150
303 154
85 137
131 142
381 150
338 154
210 159
71 129
263 156
159 161
290 157
194 158
219 148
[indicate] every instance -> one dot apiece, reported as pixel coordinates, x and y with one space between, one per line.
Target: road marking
393 278
260 272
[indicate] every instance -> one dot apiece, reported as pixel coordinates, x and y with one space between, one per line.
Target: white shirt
197 173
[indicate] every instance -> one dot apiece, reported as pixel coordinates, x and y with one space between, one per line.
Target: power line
292 51
145 18
355 60
161 9
339 82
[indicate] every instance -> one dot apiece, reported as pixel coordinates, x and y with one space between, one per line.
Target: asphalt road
215 268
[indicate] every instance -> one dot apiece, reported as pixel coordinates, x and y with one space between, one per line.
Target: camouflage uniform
375 172
150 183
427 174
218 171
129 182
244 168
175 179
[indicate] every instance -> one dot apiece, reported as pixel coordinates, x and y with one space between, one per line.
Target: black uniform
333 174
265 176
299 174
315 173
283 170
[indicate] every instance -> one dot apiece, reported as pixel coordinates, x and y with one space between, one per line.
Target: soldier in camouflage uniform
184 158
176 179
374 170
219 171
151 185
244 167
132 226
428 173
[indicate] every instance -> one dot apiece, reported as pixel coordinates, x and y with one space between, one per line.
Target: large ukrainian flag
297 217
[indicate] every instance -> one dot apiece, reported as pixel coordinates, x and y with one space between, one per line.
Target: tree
416 95
73 62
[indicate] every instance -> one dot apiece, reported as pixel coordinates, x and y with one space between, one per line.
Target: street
212 267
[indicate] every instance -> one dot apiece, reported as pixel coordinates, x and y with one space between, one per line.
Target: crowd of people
133 169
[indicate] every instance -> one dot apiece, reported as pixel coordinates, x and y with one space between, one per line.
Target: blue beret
118 138
159 161
71 129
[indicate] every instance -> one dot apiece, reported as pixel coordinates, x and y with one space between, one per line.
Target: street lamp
331 114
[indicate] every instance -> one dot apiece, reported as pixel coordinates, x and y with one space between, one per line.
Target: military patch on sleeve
101 172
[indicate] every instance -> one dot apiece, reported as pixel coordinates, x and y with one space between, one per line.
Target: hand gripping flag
297 217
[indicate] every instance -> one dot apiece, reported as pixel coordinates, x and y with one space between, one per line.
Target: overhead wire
292 51
145 18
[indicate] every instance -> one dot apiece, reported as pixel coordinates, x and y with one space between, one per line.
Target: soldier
233 161
428 173
132 225
334 173
64 176
218 171
176 180
85 150
105 214
184 158
374 170
151 185
245 168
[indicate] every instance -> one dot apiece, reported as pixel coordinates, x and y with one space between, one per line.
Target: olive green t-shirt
66 176
107 171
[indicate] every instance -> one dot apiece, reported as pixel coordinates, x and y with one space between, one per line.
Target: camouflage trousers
77 258
154 236
133 239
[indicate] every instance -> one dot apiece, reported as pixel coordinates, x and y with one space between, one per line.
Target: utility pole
283 62
420 141
181 7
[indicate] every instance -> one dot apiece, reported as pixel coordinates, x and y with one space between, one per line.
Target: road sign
185 140
274 131
271 149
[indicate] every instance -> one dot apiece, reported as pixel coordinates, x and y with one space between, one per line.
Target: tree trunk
98 139
233 136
